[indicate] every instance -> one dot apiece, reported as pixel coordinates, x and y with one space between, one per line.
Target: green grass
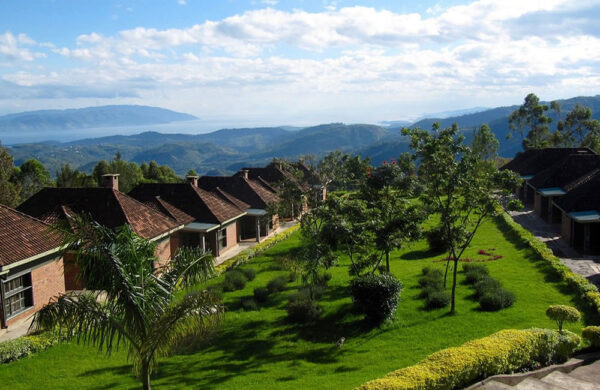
259 349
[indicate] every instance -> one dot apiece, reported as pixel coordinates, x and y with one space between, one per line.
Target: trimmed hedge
592 335
249 253
505 351
578 283
24 346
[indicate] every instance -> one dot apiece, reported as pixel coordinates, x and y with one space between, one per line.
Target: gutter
6 268
234 218
167 233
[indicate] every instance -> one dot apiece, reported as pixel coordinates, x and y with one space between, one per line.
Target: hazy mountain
81 118
453 113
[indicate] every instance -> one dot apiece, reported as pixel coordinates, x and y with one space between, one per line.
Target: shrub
24 346
376 295
592 335
323 279
562 314
486 285
277 283
496 299
506 351
437 240
434 278
261 294
474 273
249 273
303 311
248 303
436 299
216 290
292 276
234 280
305 294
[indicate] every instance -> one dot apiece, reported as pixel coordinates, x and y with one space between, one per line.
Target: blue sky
296 62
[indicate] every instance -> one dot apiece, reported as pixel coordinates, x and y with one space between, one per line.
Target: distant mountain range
81 118
226 151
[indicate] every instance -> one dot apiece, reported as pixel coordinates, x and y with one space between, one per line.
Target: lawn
259 349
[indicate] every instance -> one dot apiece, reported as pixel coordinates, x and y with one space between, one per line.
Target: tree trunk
146 375
387 261
454 286
446 272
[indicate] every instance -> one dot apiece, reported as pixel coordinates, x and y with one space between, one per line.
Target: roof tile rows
108 207
248 191
22 236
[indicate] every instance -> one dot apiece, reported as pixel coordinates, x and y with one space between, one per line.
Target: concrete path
16 330
283 226
587 266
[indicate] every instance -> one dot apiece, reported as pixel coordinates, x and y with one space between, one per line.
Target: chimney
193 180
245 173
111 180
280 166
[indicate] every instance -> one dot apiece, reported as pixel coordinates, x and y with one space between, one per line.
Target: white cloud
12 50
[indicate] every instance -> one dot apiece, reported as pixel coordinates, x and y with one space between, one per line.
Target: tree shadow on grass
420 254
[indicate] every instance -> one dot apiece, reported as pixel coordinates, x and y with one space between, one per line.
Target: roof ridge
25 215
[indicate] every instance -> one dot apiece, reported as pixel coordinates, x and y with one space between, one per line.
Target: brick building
31 266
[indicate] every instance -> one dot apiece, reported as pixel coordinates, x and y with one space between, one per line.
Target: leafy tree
578 123
530 115
130 174
191 172
149 312
67 177
340 171
33 176
485 143
159 173
459 187
9 190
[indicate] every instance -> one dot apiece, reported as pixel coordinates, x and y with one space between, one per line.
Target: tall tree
459 187
147 311
531 115
578 123
9 190
130 174
33 176
485 143
69 177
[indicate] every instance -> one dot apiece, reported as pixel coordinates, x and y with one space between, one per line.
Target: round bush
303 311
234 280
433 279
475 273
562 314
437 240
568 342
376 295
592 335
486 285
261 294
496 299
437 299
277 283
249 273
248 303
216 290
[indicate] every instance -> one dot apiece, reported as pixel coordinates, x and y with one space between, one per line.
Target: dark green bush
249 273
248 304
376 295
277 283
261 294
324 279
292 276
485 285
216 290
437 299
437 240
303 311
435 279
475 273
234 280
496 299
304 293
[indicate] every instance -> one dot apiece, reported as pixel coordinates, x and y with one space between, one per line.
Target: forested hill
81 118
497 119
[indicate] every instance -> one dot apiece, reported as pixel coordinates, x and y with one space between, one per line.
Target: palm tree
129 302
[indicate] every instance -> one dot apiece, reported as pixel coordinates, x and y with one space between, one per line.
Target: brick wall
162 252
232 236
72 279
47 281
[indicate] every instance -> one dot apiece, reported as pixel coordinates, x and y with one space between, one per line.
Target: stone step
532 383
590 373
495 385
558 378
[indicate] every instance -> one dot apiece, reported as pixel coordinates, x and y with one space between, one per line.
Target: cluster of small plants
437 240
302 306
488 291
376 296
236 278
432 288
261 294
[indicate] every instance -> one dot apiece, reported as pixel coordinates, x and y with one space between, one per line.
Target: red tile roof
108 207
22 236
202 205
246 190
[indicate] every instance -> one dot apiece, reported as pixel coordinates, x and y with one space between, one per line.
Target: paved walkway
283 226
588 266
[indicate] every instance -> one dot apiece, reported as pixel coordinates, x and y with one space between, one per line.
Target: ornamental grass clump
277 283
234 280
261 294
433 291
376 296
562 314
488 291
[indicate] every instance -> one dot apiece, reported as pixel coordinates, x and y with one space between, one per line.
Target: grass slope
257 350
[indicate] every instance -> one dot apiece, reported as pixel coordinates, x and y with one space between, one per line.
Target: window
18 295
222 238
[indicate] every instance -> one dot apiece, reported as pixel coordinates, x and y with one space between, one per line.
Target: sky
296 62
